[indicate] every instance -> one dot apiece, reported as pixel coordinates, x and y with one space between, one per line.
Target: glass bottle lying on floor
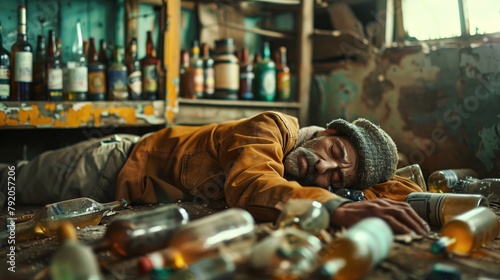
81 212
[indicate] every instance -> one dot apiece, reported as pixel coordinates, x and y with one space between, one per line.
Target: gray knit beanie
377 152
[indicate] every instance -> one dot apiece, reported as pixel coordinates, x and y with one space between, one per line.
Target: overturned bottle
467 232
231 231
306 214
82 212
488 187
438 208
361 247
443 181
73 260
138 234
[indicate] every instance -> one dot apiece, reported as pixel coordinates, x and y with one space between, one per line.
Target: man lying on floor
255 163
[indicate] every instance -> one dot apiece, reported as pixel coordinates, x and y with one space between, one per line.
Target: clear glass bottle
77 70
21 62
287 253
150 68
4 70
488 187
467 232
283 76
134 74
53 68
227 70
306 214
438 208
362 247
73 260
117 77
208 72
442 181
246 76
413 173
265 76
81 212
138 234
231 230
97 74
38 90
354 195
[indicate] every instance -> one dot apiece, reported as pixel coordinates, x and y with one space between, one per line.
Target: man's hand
399 215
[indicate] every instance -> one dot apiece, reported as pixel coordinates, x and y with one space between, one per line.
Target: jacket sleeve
396 189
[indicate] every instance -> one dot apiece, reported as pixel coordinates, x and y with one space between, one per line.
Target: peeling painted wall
442 106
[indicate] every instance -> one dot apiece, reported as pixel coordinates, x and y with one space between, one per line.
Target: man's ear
328 131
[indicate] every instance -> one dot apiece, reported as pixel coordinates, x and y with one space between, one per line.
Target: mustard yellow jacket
236 161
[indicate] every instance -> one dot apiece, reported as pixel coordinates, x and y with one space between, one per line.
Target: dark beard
292 171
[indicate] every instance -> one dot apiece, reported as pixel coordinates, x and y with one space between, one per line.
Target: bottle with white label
265 76
77 70
21 61
227 70
4 70
53 66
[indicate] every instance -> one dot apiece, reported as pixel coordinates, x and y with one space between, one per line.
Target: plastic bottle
306 214
467 232
438 208
286 253
73 260
413 173
230 230
81 212
362 247
138 234
442 181
488 187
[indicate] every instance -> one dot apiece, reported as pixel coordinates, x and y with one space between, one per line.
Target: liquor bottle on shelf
306 214
208 72
196 68
81 212
21 62
4 70
97 74
246 76
287 253
362 247
103 53
439 208
283 87
117 77
467 232
73 260
265 76
231 231
134 75
53 68
227 70
185 72
413 173
77 70
442 181
138 234
150 67
39 73
488 187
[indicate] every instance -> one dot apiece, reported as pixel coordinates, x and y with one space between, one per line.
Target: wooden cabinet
200 111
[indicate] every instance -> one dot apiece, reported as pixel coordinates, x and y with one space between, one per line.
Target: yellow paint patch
33 117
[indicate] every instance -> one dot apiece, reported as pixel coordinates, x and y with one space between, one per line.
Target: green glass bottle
265 76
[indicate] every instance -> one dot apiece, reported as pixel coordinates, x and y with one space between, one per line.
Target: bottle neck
115 205
149 45
21 27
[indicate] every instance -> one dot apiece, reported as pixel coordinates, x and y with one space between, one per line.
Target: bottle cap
438 247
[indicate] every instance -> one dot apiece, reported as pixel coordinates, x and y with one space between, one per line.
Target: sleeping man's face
327 161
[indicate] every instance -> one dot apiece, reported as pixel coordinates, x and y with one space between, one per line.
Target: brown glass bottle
21 62
4 70
186 87
150 67
97 74
103 52
134 75
53 68
283 90
246 76
39 70
208 72
196 66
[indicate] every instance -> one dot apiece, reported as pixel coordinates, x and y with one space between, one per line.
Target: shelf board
238 103
72 114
